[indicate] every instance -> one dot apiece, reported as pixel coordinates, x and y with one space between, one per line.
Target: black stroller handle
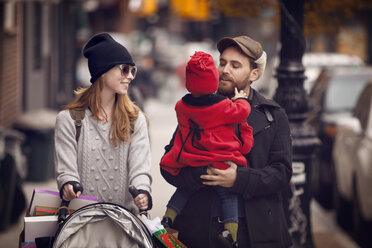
63 209
135 192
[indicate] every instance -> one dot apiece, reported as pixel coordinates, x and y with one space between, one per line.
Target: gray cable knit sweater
103 170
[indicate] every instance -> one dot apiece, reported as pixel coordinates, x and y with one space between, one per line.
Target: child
206 136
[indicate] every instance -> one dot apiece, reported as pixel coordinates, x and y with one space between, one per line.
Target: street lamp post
292 96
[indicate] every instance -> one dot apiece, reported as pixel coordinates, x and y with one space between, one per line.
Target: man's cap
250 47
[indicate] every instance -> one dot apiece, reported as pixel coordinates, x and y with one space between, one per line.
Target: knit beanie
201 74
103 53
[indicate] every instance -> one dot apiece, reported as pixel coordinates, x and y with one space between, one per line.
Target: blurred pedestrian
110 150
262 221
206 136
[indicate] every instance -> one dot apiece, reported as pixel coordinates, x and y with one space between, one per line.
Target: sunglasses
126 69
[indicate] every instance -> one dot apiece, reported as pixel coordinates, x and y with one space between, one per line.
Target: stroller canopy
103 225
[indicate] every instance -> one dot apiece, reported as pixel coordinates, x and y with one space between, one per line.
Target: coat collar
204 100
257 100
257 118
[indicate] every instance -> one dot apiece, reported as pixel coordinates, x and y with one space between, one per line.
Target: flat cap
250 47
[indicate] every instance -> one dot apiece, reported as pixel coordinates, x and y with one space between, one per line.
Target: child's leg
177 202
229 203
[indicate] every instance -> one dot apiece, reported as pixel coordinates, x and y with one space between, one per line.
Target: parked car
333 97
313 62
352 155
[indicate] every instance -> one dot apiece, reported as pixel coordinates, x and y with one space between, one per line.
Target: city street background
327 96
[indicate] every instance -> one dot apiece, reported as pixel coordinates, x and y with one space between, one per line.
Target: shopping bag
165 238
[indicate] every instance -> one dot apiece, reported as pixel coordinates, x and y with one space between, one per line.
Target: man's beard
229 92
226 89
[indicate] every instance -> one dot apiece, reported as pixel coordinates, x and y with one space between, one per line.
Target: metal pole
292 96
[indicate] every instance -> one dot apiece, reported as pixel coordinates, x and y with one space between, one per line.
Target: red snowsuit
206 133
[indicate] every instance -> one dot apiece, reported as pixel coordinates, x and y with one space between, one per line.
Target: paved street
162 124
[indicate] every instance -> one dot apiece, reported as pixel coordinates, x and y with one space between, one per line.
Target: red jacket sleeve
236 112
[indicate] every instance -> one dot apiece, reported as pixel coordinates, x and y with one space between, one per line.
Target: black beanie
103 53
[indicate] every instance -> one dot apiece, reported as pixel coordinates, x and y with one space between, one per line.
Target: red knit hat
201 74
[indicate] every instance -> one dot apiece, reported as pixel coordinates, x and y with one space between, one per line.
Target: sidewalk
326 232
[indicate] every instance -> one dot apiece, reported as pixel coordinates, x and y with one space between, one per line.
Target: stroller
98 225
103 225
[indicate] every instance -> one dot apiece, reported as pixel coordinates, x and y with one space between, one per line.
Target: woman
111 150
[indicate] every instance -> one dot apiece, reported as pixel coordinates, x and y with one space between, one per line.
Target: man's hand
68 192
225 178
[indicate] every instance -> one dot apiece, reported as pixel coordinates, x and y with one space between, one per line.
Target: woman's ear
255 74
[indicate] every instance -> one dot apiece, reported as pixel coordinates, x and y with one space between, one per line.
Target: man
262 222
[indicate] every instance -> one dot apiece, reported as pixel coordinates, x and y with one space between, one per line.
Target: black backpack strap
77 116
269 118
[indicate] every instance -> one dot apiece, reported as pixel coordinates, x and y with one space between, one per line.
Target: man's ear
255 74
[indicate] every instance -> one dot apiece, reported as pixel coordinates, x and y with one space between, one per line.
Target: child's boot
226 240
229 236
168 218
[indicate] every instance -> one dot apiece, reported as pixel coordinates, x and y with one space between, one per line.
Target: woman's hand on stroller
68 192
142 198
142 201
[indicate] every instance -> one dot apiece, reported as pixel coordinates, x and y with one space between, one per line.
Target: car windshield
343 92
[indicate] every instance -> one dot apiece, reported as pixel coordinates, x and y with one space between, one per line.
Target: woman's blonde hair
124 115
